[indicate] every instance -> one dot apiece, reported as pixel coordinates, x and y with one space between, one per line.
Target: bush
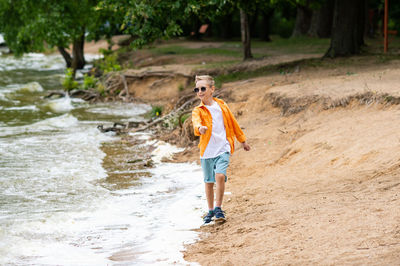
89 82
155 112
184 117
109 62
69 83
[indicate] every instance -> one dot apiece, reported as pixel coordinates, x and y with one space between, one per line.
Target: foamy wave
63 121
31 87
164 150
32 61
118 109
60 105
25 107
53 123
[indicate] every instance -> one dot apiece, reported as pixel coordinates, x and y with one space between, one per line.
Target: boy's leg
208 170
210 195
220 180
222 164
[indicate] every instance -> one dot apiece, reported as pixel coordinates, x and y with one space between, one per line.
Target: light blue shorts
212 166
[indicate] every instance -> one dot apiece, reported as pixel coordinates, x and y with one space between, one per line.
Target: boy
217 127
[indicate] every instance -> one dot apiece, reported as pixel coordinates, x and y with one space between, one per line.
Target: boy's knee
219 177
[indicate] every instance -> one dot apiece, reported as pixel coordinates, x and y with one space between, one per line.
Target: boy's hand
203 129
245 146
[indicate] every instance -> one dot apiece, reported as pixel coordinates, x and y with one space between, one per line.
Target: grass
180 50
283 45
220 64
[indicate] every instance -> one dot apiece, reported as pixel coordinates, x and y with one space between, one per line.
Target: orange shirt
202 117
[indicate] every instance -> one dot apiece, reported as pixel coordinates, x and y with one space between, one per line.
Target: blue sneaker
219 214
208 218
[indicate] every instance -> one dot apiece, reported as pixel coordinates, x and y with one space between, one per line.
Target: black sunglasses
203 89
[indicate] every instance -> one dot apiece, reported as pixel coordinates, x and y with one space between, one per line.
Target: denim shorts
212 166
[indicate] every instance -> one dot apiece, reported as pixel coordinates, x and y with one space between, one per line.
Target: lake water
59 204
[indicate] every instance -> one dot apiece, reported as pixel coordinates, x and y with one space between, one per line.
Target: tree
321 21
266 27
29 25
148 21
348 28
303 18
245 33
246 8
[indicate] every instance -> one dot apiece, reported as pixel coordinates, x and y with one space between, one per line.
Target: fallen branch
161 119
126 90
83 94
171 114
55 93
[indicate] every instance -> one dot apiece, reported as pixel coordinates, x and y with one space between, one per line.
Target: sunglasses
203 89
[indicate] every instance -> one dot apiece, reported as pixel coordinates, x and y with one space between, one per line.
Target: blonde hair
209 79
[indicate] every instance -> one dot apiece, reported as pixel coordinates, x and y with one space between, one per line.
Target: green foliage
155 111
109 63
27 25
105 52
148 21
100 88
179 50
69 82
89 82
184 117
181 87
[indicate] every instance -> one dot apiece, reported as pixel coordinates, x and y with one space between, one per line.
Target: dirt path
322 182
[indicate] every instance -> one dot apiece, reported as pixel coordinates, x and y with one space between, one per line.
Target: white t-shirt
218 143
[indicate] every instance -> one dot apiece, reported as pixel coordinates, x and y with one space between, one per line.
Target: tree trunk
266 27
78 56
303 21
314 24
67 57
348 28
325 19
245 30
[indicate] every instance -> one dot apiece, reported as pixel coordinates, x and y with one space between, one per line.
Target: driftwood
86 95
174 112
109 129
124 94
120 127
55 93
171 114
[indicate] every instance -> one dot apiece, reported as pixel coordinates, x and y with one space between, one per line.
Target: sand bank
321 184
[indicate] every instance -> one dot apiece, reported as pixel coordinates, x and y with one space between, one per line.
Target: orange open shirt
201 116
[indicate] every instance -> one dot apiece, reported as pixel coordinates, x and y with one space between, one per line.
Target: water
61 203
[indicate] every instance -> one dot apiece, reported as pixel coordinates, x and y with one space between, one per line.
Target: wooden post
385 27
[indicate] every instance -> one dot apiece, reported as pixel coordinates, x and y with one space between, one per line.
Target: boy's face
204 95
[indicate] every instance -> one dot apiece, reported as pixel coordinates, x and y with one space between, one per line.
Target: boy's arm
196 120
236 128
